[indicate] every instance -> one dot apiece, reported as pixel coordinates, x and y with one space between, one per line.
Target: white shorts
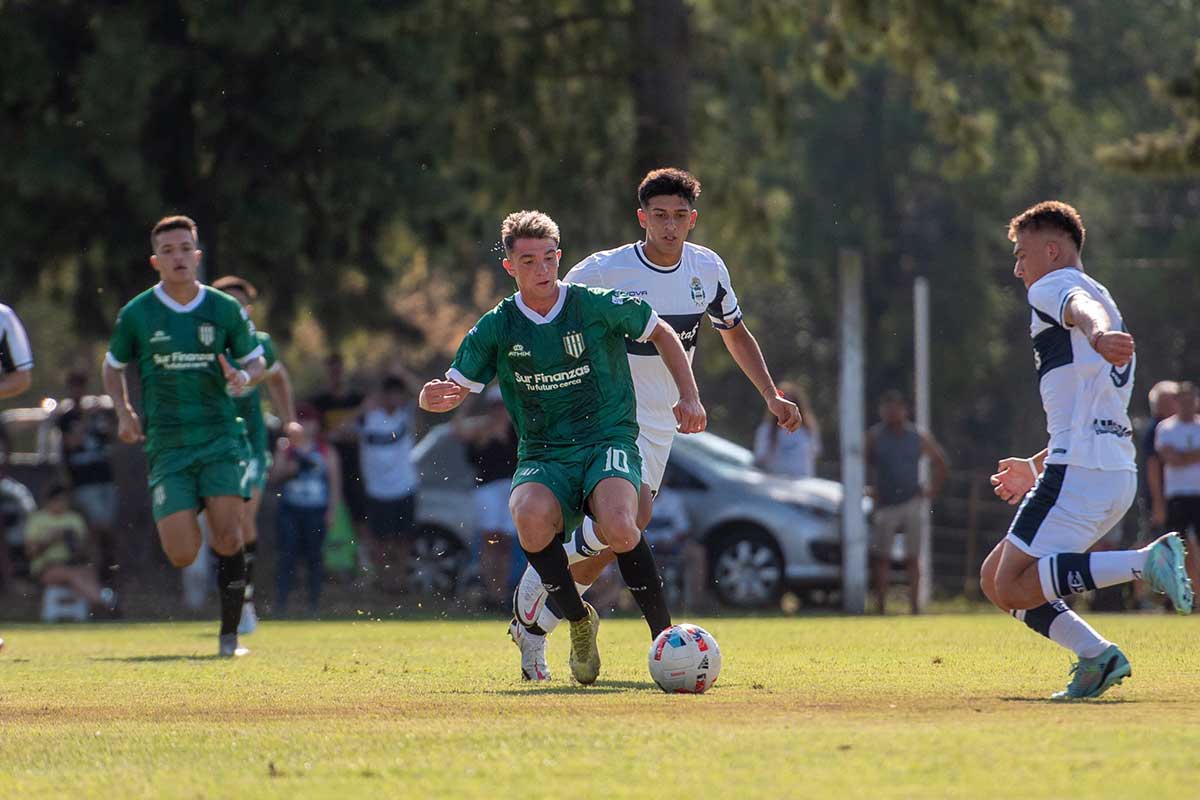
1071 508
655 448
491 507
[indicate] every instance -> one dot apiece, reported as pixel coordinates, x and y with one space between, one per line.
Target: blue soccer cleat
1093 676
1166 574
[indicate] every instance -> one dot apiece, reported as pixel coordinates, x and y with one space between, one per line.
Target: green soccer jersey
564 377
248 405
184 398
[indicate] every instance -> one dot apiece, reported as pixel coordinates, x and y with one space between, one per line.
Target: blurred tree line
355 158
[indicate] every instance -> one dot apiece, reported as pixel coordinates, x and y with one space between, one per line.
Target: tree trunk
660 84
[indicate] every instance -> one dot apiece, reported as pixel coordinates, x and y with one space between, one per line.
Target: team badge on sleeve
573 344
207 334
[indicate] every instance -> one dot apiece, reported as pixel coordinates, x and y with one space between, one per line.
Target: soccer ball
685 659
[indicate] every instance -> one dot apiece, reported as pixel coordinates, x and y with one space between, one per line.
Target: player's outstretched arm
689 413
1115 347
442 396
129 427
746 353
1016 476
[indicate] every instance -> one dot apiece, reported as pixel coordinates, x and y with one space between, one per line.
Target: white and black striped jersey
1086 399
681 295
15 354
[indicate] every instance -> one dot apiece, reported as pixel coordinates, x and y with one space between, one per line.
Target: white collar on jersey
639 248
166 300
535 317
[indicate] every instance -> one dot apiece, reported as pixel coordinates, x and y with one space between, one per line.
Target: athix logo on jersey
697 291
207 334
159 337
573 343
519 351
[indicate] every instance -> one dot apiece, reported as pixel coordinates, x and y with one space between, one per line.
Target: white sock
1113 567
1072 632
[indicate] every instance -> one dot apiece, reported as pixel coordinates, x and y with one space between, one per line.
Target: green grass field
938 706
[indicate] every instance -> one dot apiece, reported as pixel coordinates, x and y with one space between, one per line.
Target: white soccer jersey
15 354
1173 432
681 295
1086 399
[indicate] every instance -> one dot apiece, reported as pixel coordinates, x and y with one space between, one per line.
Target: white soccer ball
685 659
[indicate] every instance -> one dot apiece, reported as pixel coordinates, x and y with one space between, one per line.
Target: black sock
641 576
1040 618
551 564
231 586
251 551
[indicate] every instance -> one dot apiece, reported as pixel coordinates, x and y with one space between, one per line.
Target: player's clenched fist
129 427
1115 347
690 415
1013 479
787 413
440 396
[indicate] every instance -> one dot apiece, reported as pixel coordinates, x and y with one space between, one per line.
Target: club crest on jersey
573 344
207 334
697 291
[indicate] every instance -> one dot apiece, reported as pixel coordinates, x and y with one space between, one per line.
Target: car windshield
722 451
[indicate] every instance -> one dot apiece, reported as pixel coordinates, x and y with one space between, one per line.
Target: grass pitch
939 706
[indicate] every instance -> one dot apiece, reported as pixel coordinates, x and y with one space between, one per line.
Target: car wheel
434 563
747 570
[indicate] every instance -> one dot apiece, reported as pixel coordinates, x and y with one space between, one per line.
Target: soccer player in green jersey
558 352
178 333
248 406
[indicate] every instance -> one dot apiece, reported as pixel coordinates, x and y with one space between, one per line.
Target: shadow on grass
599 687
160 659
1115 701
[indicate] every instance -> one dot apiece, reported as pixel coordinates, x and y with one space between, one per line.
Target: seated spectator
670 534
792 455
16 504
56 542
308 471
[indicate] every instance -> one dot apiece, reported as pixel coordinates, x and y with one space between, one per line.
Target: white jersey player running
16 360
682 282
1082 484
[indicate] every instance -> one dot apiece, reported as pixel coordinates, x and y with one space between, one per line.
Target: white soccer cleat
530 598
228 646
533 652
249 621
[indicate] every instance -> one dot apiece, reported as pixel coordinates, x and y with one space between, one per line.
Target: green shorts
181 477
573 472
257 465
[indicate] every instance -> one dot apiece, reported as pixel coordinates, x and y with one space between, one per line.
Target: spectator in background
894 447
309 474
56 542
1164 402
1177 443
16 504
339 407
86 438
385 434
492 448
794 454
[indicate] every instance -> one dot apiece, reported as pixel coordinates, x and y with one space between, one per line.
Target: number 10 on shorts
616 459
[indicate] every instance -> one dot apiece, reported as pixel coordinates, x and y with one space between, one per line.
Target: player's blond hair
527 225
177 222
1158 390
1052 214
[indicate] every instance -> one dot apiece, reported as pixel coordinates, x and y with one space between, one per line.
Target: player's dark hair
668 181
527 225
893 396
175 223
238 285
1053 215
393 383
1187 387
55 489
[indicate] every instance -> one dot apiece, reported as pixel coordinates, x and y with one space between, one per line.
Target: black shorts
1183 513
390 520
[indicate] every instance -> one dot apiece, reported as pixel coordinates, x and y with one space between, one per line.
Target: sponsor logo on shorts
160 495
525 472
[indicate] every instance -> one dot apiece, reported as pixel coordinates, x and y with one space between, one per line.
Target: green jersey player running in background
558 351
248 405
178 332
